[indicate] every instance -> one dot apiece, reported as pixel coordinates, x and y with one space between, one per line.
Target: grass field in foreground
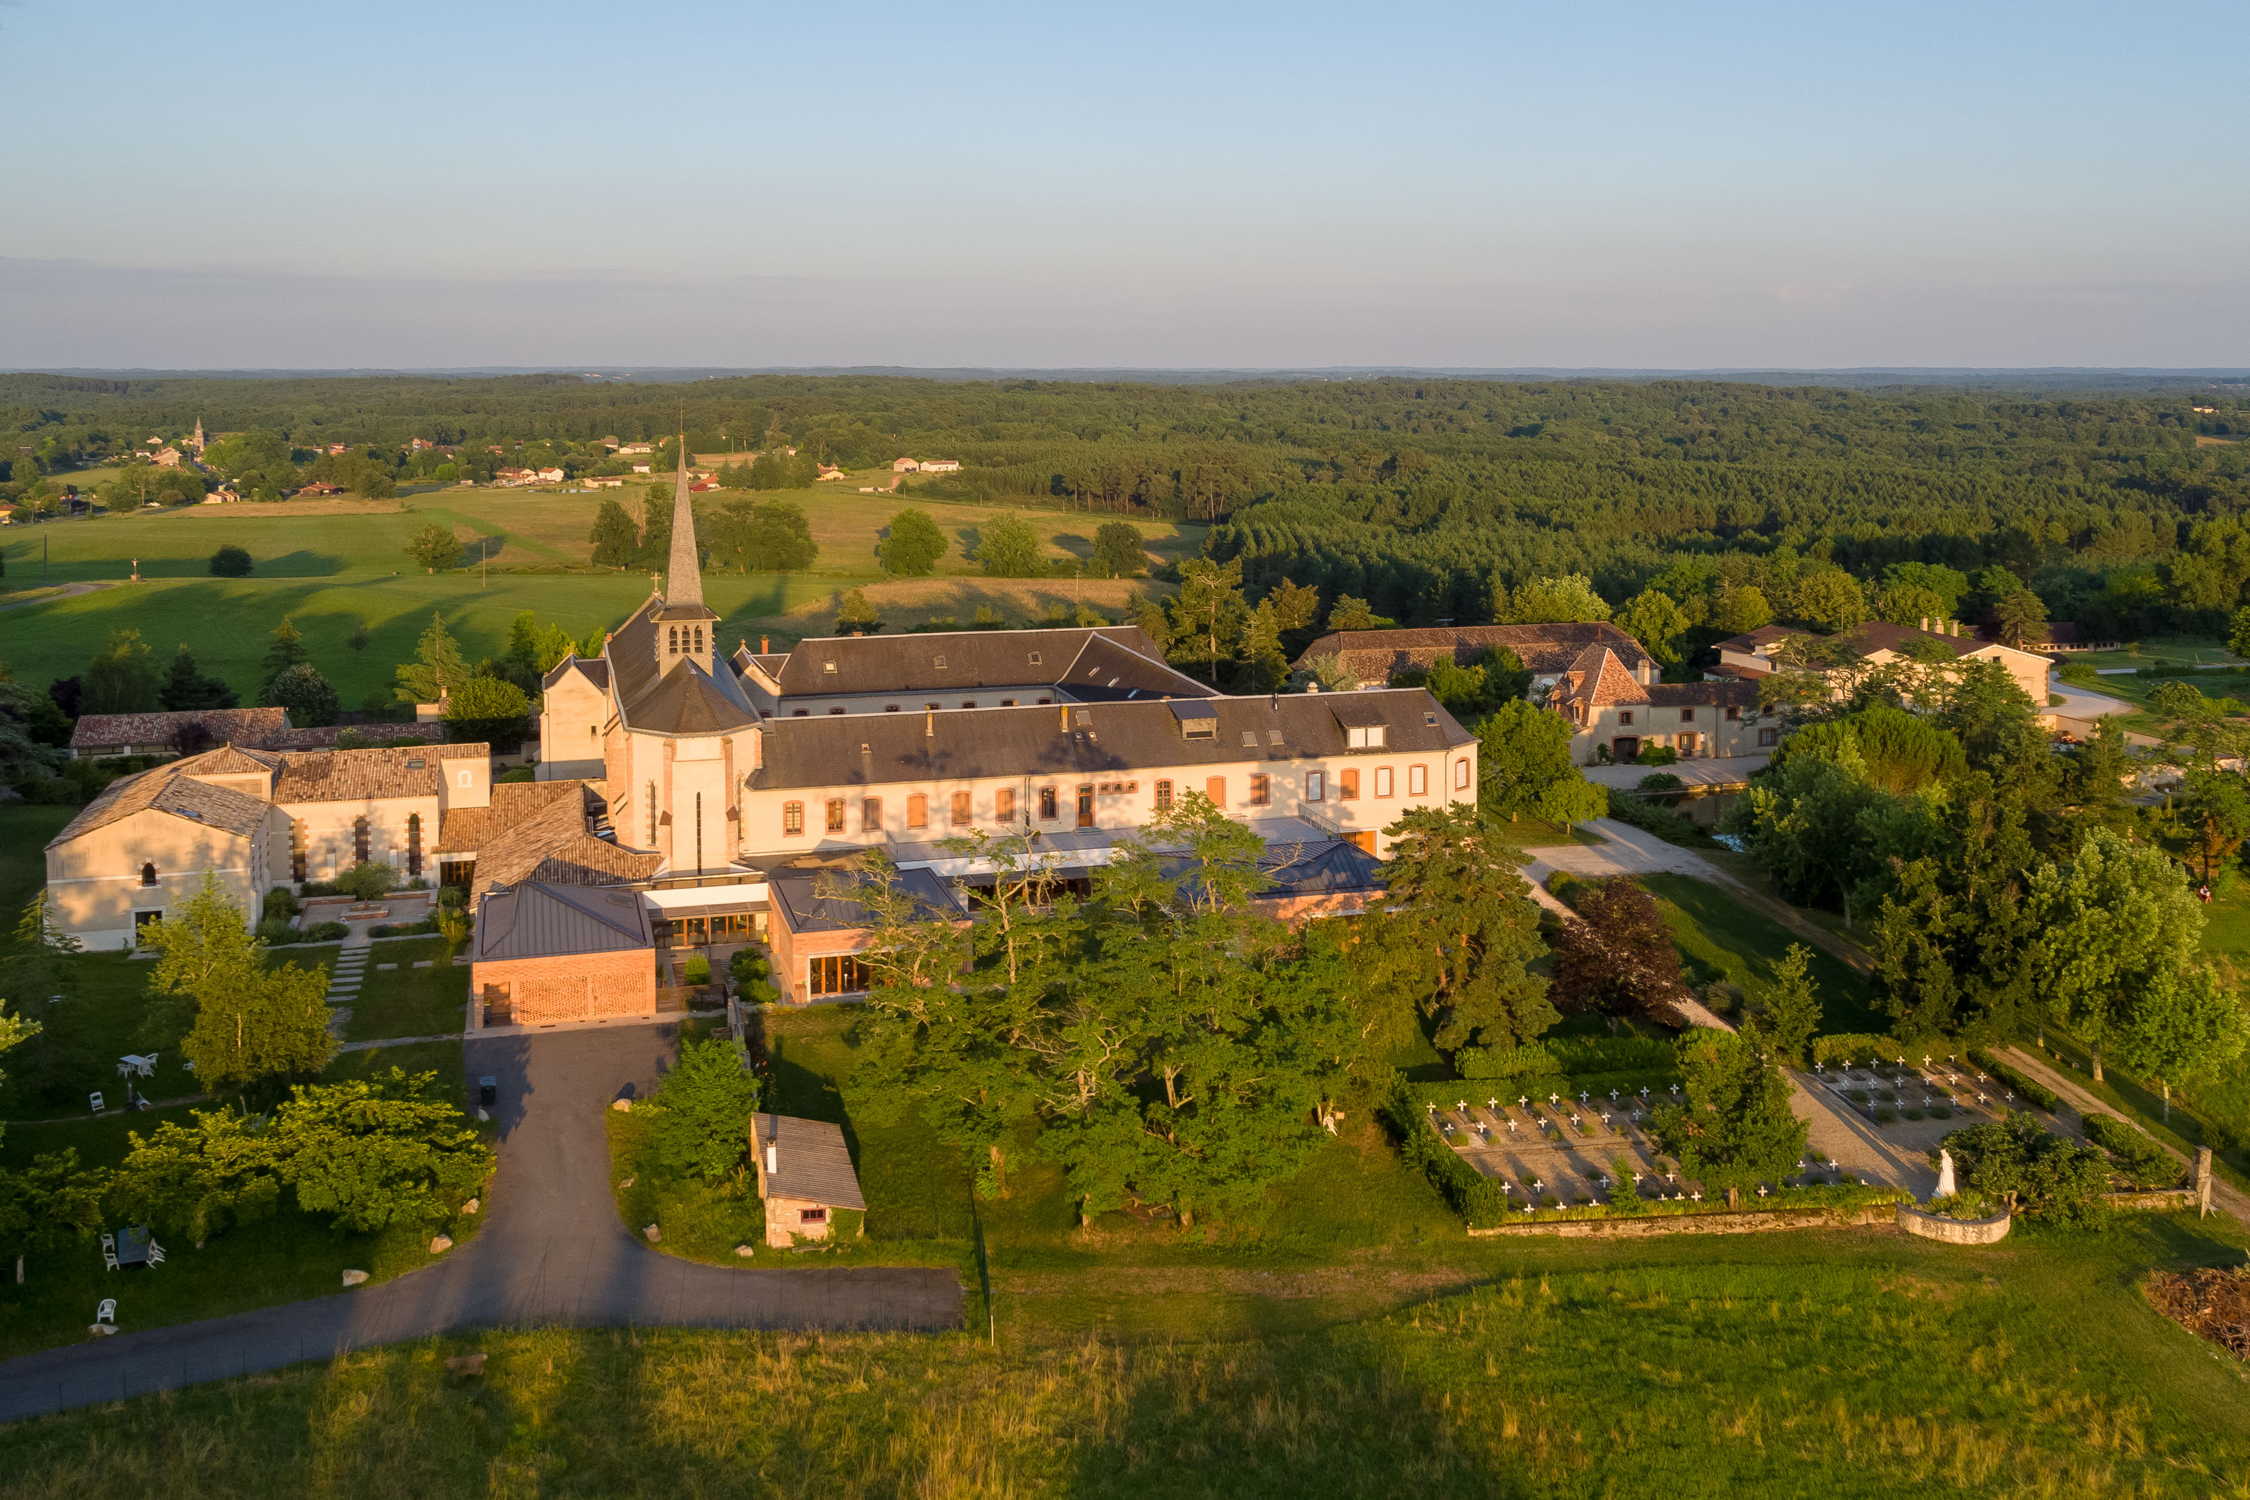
1780 1366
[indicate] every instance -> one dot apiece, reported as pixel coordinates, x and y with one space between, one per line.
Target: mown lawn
407 1001
1786 1365
1721 937
25 829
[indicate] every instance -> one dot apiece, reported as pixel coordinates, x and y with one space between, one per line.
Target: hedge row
2015 1078
1474 1196
1833 1196
2139 1160
1654 817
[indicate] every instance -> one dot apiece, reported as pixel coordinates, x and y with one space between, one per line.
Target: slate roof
1375 656
796 897
539 920
250 726
363 775
1315 867
1086 739
684 700
1113 660
592 668
811 1161
167 790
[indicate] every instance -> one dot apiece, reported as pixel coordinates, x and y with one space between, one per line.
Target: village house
904 465
805 1177
318 488
941 466
253 819
168 457
1847 657
631 450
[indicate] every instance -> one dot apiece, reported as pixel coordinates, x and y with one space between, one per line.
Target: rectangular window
1316 786
1382 781
1261 790
1768 738
960 809
1164 796
792 819
1366 736
812 1215
835 974
1347 786
1624 716
1734 716
1215 787
1086 807
870 815
1004 805
1417 781
918 811
1047 804
1460 775
1687 716
835 820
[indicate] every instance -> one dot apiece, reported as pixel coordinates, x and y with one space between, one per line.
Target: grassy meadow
1722 937
339 565
1786 1365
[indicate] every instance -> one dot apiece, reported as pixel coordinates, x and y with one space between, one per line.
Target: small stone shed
804 1175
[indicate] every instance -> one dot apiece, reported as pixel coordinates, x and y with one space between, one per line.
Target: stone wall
1954 1231
1748 1221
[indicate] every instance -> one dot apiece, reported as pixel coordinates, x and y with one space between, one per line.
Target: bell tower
686 626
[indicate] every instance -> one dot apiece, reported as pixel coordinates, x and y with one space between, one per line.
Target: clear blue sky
1215 184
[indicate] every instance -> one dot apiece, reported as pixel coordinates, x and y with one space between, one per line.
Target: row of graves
1563 1152
1915 1105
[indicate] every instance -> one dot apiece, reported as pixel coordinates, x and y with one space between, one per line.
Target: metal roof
811 1161
538 920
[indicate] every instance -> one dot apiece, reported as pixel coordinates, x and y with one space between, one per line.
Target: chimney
773 1158
929 724
765 645
1062 717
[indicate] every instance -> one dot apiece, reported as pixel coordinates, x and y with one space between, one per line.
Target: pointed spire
683 578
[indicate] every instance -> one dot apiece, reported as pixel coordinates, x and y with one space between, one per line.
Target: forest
1431 499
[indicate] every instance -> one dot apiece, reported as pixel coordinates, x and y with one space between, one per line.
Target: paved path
2225 1196
1627 850
552 1253
55 592
1713 770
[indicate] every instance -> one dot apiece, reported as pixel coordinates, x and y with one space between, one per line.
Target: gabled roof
689 700
166 790
811 1161
1860 640
538 920
361 775
1599 679
1375 656
544 831
242 725
1110 660
229 760
1090 739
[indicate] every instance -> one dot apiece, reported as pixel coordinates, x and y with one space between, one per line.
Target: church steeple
683 576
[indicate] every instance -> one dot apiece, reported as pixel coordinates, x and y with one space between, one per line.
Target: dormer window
1035 658
938 662
1199 729
828 669
1365 736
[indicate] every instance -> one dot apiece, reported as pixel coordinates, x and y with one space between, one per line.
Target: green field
1790 1365
2160 651
335 566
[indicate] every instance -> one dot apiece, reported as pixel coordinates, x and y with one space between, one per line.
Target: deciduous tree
701 1120
911 545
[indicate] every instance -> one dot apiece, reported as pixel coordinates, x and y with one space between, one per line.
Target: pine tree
855 616
437 667
1787 1006
285 649
1733 1128
614 536
185 687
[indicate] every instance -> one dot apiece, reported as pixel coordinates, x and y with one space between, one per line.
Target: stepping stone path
344 978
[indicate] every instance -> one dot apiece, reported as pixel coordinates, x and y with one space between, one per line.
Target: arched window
413 846
672 640
359 841
148 874
297 851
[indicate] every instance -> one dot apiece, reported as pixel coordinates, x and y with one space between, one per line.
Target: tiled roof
1598 679
870 749
811 1161
1860 640
551 841
1110 659
1375 656
465 830
1733 693
359 775
166 790
248 726
538 920
229 760
324 736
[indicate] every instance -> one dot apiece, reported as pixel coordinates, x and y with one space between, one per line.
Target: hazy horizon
1010 186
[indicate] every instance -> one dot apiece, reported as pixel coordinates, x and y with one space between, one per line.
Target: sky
1239 185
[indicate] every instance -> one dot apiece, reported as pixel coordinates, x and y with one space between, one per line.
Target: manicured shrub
325 932
282 902
2024 1085
1654 817
1474 1196
367 882
2138 1158
696 970
277 930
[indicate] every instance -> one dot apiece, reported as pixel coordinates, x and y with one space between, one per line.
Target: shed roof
811 1161
538 920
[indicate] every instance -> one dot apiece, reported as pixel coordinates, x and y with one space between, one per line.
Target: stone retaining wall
2156 1200
1954 1231
1749 1221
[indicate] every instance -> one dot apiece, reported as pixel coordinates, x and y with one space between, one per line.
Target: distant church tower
196 442
687 627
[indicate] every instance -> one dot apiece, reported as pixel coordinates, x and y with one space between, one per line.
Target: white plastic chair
94 1102
107 1312
155 1253
125 1068
148 1065
109 1250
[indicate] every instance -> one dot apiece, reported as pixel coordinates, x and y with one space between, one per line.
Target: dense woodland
1431 499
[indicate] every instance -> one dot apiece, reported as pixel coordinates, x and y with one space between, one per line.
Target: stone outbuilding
804 1177
550 953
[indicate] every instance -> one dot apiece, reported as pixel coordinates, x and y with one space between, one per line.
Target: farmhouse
1845 658
941 466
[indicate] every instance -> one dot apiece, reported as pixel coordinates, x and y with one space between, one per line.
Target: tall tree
1654 619
437 667
1009 547
373 1152
1570 598
434 546
1786 1009
1524 768
309 697
2189 1025
1208 613
122 679
856 616
1457 935
1733 1128
616 539
703 1109
2214 807
911 545
1119 551
2117 933
285 648
248 1024
487 708
1617 956
185 687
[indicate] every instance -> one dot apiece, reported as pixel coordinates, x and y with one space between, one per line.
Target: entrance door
1086 807
1691 745
1625 747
